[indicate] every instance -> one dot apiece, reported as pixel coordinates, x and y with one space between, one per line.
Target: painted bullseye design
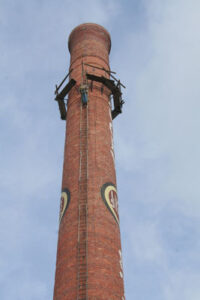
109 196
64 202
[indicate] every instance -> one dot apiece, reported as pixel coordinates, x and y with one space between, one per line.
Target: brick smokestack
89 263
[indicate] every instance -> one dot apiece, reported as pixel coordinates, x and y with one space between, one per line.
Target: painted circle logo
64 202
109 196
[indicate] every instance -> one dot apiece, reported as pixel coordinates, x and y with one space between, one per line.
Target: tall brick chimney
89 262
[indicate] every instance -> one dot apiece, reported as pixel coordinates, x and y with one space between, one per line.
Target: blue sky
155 51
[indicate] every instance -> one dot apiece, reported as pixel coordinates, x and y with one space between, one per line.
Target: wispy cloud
163 100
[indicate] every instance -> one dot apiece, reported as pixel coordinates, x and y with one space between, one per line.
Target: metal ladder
82 251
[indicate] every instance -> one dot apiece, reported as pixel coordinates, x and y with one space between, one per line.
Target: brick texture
89 249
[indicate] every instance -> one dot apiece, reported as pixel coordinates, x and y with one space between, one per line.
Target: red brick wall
88 256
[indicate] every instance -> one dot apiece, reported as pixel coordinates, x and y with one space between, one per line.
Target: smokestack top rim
94 25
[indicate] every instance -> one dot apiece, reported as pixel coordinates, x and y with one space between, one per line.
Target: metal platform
60 97
115 90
